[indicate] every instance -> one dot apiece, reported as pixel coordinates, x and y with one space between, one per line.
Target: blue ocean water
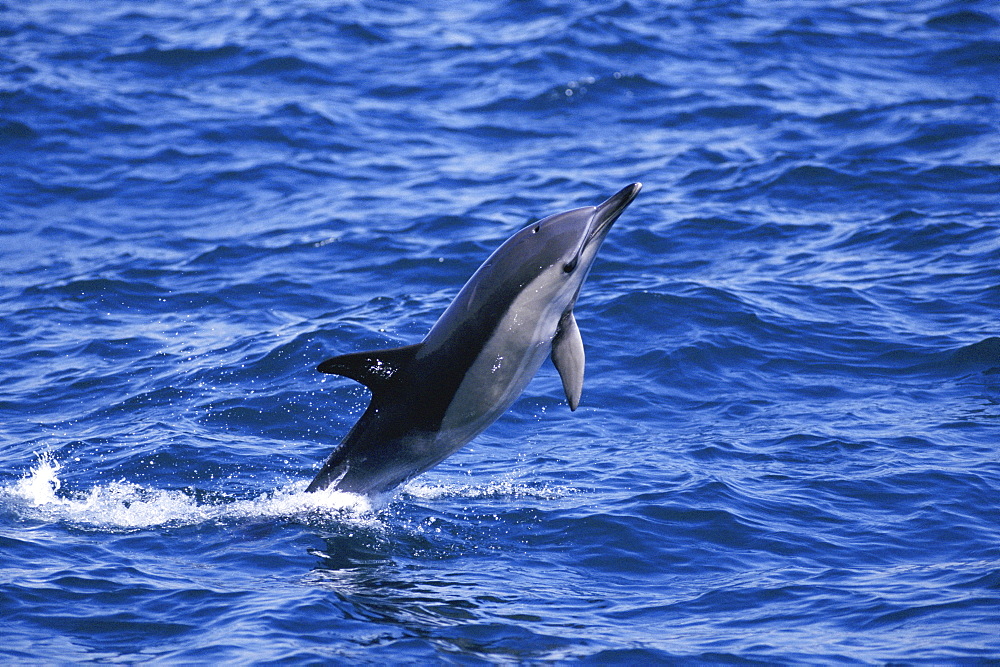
787 447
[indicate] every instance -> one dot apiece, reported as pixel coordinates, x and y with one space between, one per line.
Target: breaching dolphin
430 399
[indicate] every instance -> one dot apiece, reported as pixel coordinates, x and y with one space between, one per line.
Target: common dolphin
430 399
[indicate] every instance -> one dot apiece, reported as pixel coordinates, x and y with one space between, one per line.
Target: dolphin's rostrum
430 399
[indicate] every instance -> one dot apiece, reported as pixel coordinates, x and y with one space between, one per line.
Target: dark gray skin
430 399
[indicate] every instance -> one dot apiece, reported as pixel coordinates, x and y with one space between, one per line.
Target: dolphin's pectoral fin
568 358
374 369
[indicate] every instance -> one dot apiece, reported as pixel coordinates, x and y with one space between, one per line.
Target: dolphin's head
562 247
540 269
574 237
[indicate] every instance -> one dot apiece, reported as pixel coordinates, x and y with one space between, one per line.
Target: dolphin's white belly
506 364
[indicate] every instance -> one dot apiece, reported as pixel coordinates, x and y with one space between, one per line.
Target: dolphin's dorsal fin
568 358
374 368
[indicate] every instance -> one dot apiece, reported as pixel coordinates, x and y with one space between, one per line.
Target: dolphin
430 399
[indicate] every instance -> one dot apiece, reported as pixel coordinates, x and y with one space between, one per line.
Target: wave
16 130
978 58
965 20
177 57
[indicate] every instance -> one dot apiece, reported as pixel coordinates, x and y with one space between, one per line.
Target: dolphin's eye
569 266
535 230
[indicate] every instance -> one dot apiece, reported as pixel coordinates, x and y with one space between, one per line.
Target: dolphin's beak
609 211
600 222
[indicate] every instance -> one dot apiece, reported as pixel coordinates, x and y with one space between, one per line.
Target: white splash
125 505
39 486
500 488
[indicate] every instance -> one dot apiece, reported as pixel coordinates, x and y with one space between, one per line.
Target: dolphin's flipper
568 357
374 368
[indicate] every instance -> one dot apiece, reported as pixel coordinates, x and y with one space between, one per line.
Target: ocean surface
788 447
